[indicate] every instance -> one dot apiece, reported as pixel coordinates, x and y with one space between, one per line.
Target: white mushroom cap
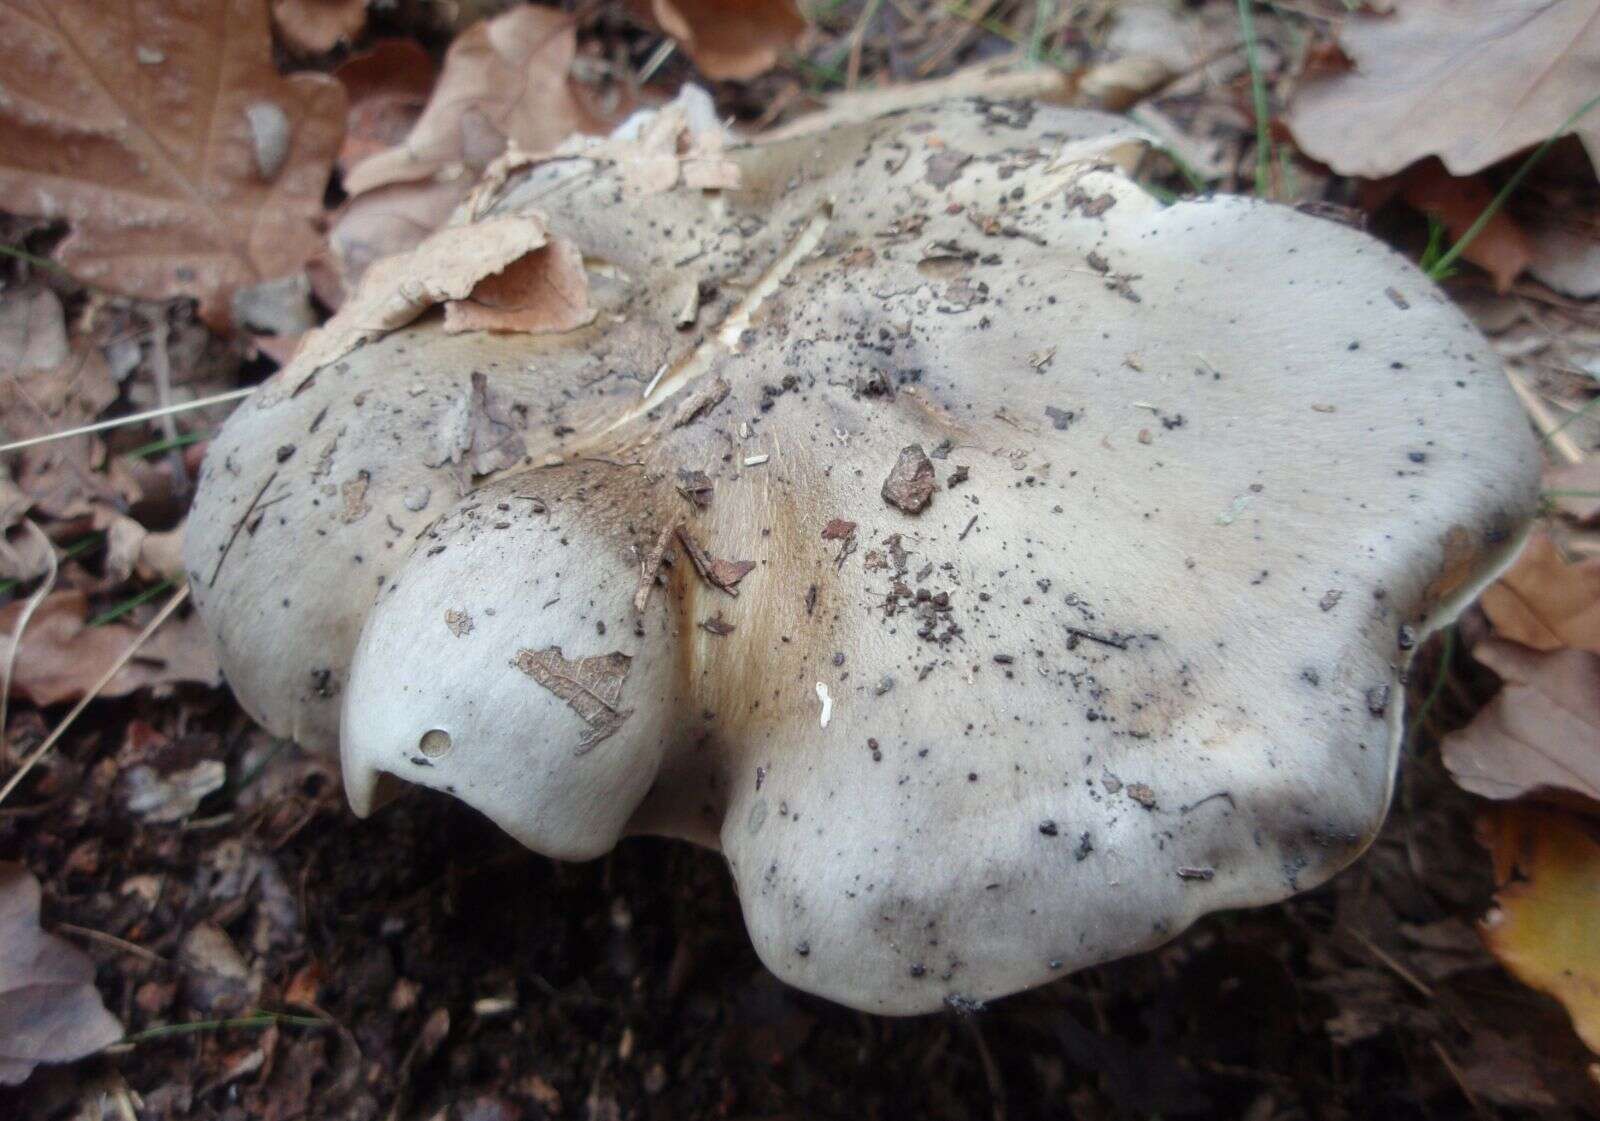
1202 476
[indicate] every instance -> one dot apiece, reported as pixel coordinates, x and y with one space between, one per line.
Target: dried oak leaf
61 657
1545 603
185 165
315 26
451 267
1540 734
592 687
50 1011
505 81
386 88
735 39
1547 866
1469 81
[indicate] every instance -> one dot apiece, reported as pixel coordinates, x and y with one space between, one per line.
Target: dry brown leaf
1470 81
1545 603
1574 489
447 267
1502 248
50 1011
732 39
61 658
315 26
387 88
505 80
542 291
185 165
1547 866
1540 734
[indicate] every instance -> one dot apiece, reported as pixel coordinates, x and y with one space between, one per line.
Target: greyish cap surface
1043 561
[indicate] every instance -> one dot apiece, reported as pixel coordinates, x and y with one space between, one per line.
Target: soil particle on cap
911 482
944 167
1378 699
695 487
717 625
1142 794
459 622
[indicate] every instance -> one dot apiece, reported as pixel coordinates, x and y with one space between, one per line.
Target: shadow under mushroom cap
1002 569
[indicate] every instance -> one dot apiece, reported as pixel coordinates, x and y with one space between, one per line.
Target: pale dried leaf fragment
50 1011
1574 489
650 567
1470 81
448 266
735 39
194 173
316 26
163 797
592 687
505 82
1545 603
1540 734
545 290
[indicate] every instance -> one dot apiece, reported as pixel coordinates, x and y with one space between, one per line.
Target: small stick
1542 420
237 526
77 710
112 940
135 418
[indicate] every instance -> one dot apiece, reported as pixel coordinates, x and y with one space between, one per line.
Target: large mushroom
1001 568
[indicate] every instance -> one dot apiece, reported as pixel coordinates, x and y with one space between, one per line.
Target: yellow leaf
1545 927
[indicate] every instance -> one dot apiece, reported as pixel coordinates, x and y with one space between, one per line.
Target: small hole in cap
435 742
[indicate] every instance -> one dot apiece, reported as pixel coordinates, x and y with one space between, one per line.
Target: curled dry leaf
387 88
315 26
61 657
1540 735
592 687
184 163
1469 81
1547 866
50 1011
505 81
549 292
734 39
1546 603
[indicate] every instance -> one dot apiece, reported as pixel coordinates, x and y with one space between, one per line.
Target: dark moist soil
459 977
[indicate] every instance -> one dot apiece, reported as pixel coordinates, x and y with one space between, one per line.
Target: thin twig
44 589
94 691
112 940
1563 444
135 418
237 526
